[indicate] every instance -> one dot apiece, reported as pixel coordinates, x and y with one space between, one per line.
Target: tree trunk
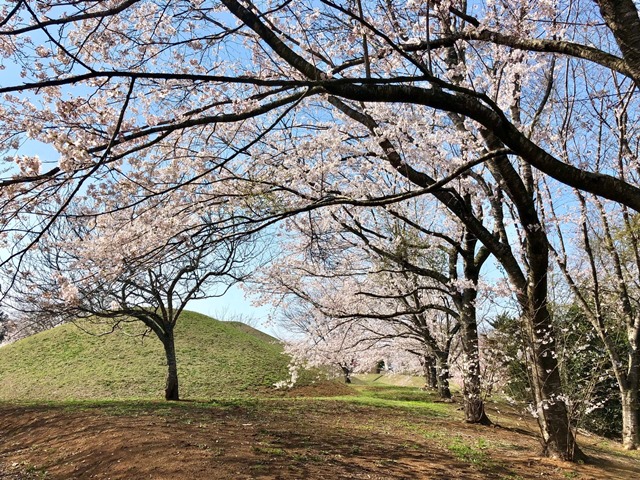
553 417
430 373
442 367
630 404
171 388
472 389
622 19
346 371
472 386
558 438
631 392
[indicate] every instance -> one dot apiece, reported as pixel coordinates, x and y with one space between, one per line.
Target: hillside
214 359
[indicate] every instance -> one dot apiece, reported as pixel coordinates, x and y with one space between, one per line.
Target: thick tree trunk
630 404
430 373
442 368
171 389
472 388
558 438
622 19
472 383
552 414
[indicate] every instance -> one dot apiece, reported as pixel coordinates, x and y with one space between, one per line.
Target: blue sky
232 306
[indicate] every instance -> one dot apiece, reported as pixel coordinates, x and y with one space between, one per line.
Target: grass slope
215 359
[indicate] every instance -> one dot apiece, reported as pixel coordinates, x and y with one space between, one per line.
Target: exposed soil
277 439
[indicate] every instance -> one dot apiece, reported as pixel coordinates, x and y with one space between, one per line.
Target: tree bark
430 374
621 16
346 372
171 391
630 417
552 414
553 418
442 367
472 391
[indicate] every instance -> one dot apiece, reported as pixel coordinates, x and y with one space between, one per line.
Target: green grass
399 394
473 453
409 398
392 379
215 360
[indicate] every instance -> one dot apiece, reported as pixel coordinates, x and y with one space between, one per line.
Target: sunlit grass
386 378
215 360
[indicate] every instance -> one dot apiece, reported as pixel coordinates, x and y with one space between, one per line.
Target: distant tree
119 269
382 301
336 347
3 326
413 266
428 363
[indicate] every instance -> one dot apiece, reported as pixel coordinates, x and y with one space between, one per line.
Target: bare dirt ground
278 439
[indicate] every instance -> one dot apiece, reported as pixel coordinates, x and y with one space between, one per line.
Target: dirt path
276 439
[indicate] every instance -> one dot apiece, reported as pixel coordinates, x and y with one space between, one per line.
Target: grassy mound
215 359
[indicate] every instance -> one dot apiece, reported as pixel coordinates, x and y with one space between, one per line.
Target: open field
377 432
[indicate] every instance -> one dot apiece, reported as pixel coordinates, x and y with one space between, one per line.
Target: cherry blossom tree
114 269
597 255
355 346
336 345
456 278
122 87
595 240
393 270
